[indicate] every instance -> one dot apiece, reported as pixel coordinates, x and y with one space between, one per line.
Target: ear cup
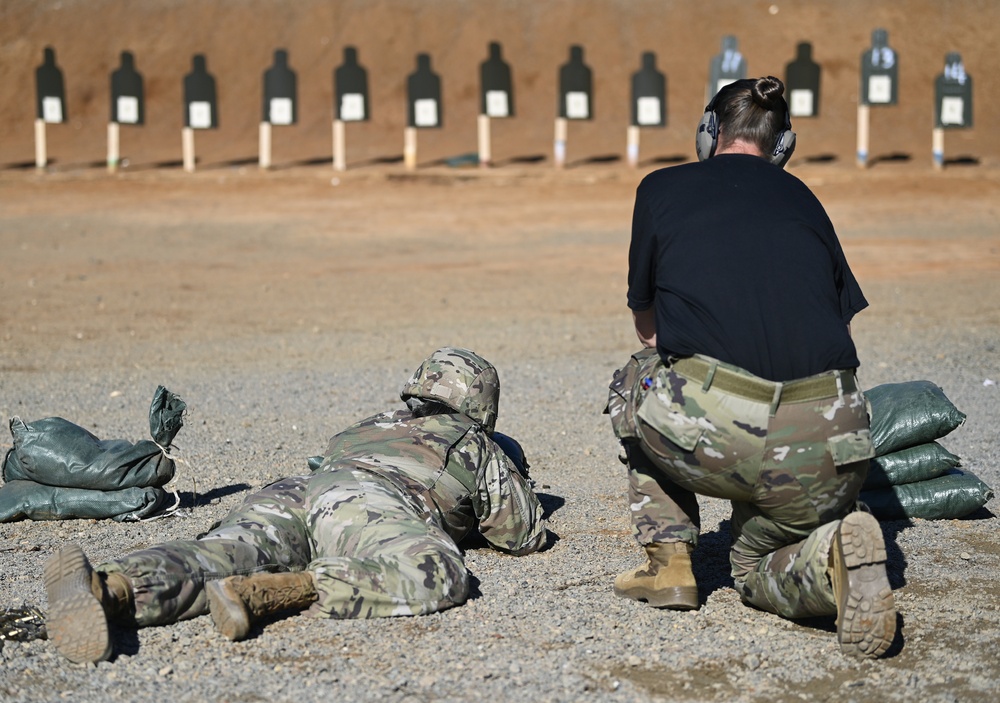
783 148
707 136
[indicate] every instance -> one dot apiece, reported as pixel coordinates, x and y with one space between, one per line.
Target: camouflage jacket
451 465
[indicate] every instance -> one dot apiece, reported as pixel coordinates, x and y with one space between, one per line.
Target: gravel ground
544 627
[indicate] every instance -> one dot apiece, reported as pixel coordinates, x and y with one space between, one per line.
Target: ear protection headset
706 140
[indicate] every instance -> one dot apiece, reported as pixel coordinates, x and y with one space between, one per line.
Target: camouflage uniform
792 465
376 524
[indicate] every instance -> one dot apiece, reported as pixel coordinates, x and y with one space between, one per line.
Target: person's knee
444 580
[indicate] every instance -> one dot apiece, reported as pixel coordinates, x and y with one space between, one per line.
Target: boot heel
227 610
76 621
866 609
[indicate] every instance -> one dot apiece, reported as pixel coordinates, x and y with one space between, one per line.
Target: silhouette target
576 87
649 94
879 72
726 66
802 83
50 90
200 104
423 91
953 95
127 98
350 88
496 97
280 97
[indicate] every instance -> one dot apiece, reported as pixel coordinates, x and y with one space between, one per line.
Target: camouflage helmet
461 380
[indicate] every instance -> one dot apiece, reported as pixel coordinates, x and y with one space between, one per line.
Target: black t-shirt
743 265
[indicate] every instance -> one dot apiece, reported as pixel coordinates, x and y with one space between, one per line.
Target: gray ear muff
783 148
707 136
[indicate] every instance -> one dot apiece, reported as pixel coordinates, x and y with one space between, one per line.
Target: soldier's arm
509 514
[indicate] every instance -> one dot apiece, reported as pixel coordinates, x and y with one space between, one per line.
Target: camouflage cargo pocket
622 393
670 420
851 447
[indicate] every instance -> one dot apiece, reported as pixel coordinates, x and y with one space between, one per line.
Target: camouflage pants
791 469
371 548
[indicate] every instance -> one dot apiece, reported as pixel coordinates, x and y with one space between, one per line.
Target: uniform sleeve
641 257
852 299
508 511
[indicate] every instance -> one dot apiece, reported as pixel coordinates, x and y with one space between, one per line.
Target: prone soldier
372 532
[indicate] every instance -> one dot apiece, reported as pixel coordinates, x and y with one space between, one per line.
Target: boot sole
675 598
76 621
867 614
227 610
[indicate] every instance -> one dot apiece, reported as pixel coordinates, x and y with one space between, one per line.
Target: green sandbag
166 416
21 500
56 452
909 465
953 495
911 413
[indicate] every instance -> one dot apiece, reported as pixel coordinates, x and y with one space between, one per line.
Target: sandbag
21 500
909 465
953 495
910 413
57 452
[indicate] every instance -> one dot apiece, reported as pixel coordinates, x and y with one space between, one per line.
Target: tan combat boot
866 610
81 602
238 601
666 579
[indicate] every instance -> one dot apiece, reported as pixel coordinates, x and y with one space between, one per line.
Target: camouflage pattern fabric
462 380
791 477
377 525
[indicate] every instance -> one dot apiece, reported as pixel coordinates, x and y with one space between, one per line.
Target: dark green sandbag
166 416
909 465
21 500
57 452
911 413
953 495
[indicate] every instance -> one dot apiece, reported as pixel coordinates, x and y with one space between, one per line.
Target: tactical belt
713 374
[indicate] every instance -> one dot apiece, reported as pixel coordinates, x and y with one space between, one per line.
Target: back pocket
851 447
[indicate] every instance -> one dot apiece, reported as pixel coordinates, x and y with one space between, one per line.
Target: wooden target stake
41 152
114 151
187 149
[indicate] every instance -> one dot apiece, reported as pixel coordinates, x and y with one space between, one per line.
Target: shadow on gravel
895 559
829 624
125 641
983 513
474 591
190 499
711 565
550 504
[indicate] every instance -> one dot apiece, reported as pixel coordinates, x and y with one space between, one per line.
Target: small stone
965 555
165 671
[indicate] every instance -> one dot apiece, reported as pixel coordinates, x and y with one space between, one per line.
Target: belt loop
840 385
776 399
709 375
